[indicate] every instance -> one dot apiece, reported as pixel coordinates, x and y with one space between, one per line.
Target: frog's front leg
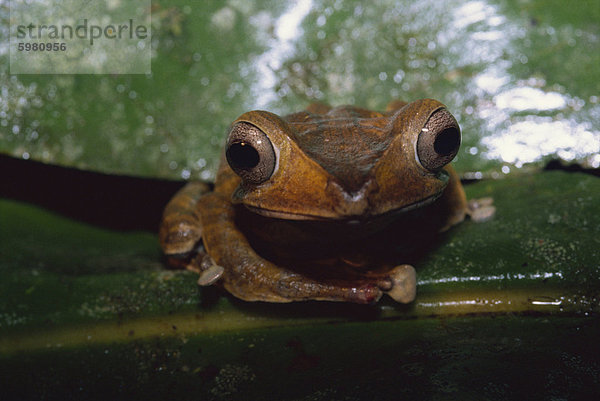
181 233
250 277
180 228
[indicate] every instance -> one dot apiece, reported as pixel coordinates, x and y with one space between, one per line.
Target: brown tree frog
325 204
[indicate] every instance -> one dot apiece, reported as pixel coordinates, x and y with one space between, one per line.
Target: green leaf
95 312
520 76
542 245
538 253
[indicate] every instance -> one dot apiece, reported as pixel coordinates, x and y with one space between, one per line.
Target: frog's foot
201 263
481 209
401 284
209 271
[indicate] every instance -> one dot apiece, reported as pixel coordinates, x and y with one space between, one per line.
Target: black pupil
446 142
243 155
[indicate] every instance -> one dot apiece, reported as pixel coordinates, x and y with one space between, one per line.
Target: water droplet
205 175
545 300
398 76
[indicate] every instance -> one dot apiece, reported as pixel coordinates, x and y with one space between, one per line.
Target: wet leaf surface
62 279
506 309
89 312
520 76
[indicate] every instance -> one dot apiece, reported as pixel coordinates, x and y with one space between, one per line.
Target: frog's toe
210 271
402 284
481 209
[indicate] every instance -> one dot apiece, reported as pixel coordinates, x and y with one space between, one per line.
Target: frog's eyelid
438 141
250 153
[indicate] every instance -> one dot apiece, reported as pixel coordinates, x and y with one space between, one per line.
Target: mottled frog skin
327 204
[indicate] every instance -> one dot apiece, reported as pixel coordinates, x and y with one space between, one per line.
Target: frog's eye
250 153
438 141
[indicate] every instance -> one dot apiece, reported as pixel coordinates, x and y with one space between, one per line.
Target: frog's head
345 164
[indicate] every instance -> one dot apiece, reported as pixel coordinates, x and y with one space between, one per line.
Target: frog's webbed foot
401 284
481 209
201 263
209 271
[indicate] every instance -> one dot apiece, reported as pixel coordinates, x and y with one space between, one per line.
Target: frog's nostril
243 155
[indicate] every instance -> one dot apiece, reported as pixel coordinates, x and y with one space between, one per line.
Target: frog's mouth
362 219
341 205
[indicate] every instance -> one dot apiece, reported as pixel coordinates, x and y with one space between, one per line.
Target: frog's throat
343 218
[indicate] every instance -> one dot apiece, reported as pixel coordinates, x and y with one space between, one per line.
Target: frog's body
321 204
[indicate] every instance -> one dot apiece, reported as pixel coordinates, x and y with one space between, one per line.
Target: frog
325 204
